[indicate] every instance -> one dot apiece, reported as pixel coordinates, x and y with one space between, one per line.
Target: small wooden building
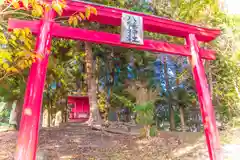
80 108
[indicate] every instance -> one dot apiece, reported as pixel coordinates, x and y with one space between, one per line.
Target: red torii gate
46 28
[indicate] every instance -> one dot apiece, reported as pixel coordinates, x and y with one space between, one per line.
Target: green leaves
121 2
3 39
57 7
88 12
145 113
37 7
79 17
123 100
148 106
75 21
38 10
5 66
17 54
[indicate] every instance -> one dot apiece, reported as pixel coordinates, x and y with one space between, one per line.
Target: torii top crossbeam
46 28
112 16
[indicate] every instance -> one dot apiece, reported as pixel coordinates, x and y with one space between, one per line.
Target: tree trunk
41 118
49 117
49 110
172 118
50 113
94 118
19 112
180 106
181 110
210 79
147 131
110 77
171 110
13 116
65 115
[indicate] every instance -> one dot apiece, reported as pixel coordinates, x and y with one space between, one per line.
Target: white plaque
132 29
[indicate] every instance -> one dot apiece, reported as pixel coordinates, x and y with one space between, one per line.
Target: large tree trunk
171 110
95 118
110 82
180 106
172 118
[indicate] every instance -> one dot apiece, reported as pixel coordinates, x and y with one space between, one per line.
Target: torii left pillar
29 126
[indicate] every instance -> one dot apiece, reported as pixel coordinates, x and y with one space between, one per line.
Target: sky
233 6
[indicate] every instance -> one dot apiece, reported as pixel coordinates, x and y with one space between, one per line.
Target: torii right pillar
206 107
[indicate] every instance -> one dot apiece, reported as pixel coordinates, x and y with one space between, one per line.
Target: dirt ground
75 142
79 142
